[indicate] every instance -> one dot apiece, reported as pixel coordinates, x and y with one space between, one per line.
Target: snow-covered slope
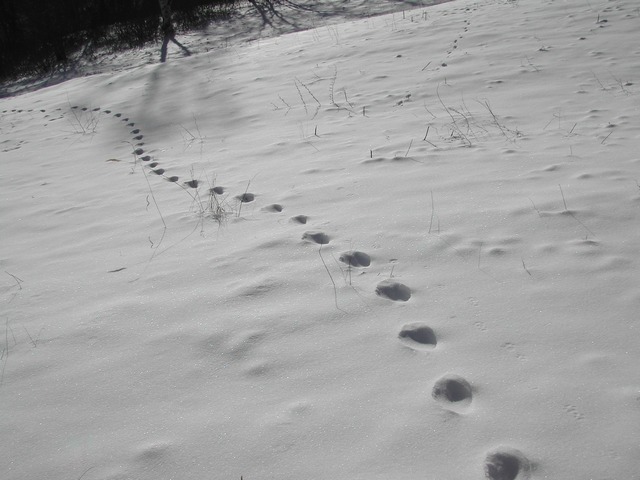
420 259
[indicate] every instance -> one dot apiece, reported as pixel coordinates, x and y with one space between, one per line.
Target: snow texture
397 247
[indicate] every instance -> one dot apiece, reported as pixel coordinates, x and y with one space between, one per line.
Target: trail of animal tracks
404 246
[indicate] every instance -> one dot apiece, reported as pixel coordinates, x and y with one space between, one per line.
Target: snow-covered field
403 247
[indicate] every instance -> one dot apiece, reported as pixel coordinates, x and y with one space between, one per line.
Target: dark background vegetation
38 36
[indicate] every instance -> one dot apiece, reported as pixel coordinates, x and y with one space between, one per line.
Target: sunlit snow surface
421 258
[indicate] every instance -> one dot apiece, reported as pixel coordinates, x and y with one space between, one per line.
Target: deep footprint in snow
452 389
301 219
355 259
505 463
274 208
393 291
418 336
316 237
246 197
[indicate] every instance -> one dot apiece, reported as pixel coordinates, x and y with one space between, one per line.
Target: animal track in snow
9 145
452 389
355 259
511 348
505 463
246 197
393 291
274 207
480 325
154 167
418 336
316 237
574 412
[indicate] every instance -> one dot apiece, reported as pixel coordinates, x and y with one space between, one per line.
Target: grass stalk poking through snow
432 212
335 289
563 199
4 353
525 267
299 82
85 472
18 280
304 103
153 197
407 152
188 141
214 206
332 84
84 124
456 130
508 133
569 212
242 199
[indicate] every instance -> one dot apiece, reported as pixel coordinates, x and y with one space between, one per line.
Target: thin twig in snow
335 289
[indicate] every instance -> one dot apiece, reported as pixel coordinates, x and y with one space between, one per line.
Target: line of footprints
453 391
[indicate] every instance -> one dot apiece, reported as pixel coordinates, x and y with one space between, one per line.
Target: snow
481 158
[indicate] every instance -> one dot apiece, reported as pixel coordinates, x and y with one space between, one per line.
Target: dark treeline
37 36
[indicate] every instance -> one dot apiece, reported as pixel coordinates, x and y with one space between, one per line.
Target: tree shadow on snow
165 44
